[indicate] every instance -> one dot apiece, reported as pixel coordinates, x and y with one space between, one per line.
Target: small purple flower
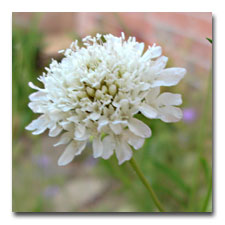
43 161
189 115
51 191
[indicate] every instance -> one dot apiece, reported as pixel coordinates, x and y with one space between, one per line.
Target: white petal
152 95
39 130
80 131
139 128
74 119
35 87
66 108
144 86
160 63
151 53
156 67
97 147
67 125
133 110
119 122
102 123
36 107
32 125
39 125
108 147
167 98
146 56
55 131
170 114
139 47
124 104
155 51
116 128
73 149
123 151
94 116
169 77
148 111
135 141
41 121
64 138
38 96
56 115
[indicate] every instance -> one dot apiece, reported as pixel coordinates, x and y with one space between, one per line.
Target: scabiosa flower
95 91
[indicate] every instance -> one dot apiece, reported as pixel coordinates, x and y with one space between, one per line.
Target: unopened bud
104 89
82 94
98 94
90 91
112 89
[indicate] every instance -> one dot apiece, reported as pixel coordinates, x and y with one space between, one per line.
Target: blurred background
177 159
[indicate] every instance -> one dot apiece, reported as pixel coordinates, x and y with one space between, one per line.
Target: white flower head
96 90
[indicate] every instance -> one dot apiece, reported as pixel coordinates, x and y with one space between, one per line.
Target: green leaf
206 168
210 40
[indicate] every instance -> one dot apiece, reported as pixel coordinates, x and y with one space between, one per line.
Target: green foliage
26 44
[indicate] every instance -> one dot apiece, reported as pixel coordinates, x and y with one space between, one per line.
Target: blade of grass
207 197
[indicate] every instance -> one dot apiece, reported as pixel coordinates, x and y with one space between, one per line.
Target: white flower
96 90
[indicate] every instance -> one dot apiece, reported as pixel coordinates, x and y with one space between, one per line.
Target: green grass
26 45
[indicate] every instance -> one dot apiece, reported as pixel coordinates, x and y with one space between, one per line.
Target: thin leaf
210 40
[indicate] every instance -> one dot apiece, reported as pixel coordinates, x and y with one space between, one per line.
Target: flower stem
147 185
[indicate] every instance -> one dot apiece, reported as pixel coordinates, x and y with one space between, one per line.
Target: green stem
147 185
